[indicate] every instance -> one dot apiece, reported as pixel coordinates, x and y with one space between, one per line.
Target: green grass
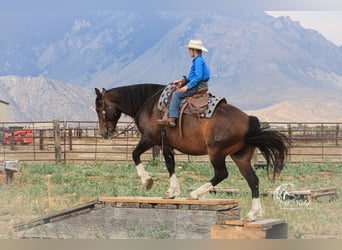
43 188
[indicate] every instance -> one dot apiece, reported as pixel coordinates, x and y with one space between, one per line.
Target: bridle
131 125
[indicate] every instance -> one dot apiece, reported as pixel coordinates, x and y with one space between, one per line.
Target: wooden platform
259 229
217 190
310 194
177 201
134 217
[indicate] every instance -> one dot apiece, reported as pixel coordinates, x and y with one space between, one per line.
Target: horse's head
107 112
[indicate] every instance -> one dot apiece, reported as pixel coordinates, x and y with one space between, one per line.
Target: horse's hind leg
243 161
220 170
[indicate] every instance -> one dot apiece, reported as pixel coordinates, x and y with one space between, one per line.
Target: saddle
196 104
193 105
201 104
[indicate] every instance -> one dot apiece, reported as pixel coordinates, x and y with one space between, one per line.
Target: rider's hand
183 89
177 81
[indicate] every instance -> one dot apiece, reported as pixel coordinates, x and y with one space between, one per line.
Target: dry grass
45 188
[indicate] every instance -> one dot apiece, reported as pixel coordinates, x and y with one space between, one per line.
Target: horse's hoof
167 196
149 183
248 219
191 198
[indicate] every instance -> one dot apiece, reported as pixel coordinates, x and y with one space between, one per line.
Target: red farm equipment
18 137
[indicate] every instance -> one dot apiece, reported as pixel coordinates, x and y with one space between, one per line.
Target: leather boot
172 122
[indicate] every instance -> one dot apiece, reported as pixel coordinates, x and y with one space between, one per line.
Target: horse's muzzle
106 133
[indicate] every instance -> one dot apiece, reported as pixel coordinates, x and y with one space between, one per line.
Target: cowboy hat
195 44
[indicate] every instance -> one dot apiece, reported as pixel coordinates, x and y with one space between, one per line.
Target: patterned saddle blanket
206 103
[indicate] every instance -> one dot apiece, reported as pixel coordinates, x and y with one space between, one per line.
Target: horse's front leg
174 189
146 179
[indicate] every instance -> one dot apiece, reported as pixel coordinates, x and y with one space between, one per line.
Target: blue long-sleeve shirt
199 71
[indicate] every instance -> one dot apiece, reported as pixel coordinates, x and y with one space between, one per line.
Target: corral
77 141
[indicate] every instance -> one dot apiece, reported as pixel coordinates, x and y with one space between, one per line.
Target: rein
129 127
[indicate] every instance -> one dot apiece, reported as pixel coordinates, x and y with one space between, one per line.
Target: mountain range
41 99
272 67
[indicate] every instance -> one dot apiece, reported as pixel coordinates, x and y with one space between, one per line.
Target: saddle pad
165 96
212 101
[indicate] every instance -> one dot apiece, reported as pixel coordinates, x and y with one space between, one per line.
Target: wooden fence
78 142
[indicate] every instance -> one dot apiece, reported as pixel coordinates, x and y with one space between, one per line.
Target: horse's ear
97 91
103 90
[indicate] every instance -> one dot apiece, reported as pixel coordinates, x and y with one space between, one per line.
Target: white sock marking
196 194
142 173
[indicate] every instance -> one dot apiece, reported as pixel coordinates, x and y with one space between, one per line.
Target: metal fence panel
78 142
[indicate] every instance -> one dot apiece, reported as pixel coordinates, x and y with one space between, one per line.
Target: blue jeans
177 97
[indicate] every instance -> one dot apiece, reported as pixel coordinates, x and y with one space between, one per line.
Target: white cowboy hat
195 44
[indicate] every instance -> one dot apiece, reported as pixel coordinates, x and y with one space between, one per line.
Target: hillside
297 111
40 99
257 62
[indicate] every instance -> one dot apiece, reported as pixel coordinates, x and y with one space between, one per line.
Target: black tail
272 144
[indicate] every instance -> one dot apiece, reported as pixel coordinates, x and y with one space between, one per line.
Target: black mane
131 98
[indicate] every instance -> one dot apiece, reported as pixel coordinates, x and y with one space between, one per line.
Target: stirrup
171 121
172 124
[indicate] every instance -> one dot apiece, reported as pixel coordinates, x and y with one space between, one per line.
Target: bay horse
230 131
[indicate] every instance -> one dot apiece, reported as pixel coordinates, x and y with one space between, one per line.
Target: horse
229 131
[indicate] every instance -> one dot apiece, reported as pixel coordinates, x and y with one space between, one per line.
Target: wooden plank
264 223
54 217
331 193
236 232
307 193
234 222
260 229
219 189
323 190
260 222
177 201
225 190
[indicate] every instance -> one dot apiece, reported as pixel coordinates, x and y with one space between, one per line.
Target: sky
328 23
324 16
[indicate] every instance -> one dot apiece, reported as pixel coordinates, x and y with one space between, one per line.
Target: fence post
41 139
289 129
337 133
57 135
70 139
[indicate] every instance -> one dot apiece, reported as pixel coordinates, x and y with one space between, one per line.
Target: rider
198 78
